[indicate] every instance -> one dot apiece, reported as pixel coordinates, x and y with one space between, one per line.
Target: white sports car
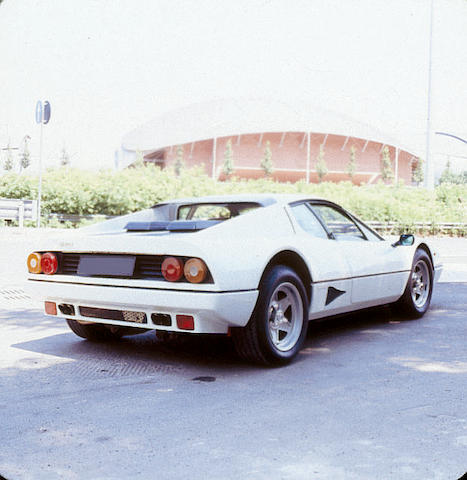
257 267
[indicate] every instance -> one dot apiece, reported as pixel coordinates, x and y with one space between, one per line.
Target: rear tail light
51 308
49 263
195 270
34 263
172 269
185 322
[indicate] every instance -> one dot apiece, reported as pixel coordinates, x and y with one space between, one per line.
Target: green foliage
228 168
448 176
321 167
352 165
387 173
418 175
178 161
72 191
266 163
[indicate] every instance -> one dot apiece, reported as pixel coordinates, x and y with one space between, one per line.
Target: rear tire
417 294
277 328
94 331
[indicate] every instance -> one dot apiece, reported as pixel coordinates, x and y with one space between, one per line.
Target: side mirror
405 240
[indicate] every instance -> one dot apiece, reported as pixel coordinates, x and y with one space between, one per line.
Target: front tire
277 328
417 294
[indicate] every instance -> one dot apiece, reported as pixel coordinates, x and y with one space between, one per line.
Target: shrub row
70 191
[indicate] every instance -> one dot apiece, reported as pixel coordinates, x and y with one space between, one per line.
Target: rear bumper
213 312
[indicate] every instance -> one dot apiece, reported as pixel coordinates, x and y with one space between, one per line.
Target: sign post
42 117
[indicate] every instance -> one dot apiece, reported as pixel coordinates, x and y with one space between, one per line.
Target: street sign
46 117
39 112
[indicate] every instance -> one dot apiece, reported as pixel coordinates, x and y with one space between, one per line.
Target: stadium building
294 133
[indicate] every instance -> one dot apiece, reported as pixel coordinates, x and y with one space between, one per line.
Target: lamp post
429 170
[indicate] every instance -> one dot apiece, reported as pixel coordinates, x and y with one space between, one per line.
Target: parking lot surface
371 396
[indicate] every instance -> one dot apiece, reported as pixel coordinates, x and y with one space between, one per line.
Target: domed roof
231 117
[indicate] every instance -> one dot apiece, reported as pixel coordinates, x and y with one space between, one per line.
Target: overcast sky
108 66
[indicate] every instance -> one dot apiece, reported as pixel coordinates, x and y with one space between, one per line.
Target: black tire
255 341
94 331
417 294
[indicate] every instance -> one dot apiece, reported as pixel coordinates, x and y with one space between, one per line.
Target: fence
11 210
18 210
385 228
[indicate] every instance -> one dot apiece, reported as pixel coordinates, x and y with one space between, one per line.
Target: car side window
308 221
338 224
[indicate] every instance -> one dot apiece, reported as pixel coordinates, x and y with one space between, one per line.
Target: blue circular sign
46 116
39 112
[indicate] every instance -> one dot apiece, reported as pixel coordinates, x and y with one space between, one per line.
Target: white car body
237 252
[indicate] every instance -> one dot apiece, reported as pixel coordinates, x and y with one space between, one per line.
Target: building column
396 166
308 146
214 154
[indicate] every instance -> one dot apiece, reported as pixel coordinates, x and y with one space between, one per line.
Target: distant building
294 133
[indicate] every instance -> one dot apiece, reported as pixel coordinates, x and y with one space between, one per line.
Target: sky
107 67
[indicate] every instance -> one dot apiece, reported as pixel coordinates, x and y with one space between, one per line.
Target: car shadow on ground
145 353
188 351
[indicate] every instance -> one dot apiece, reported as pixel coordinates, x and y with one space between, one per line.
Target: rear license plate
106 265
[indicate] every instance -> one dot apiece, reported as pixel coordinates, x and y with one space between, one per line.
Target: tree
64 158
387 173
418 175
266 163
228 168
9 162
321 167
25 156
179 161
352 165
448 176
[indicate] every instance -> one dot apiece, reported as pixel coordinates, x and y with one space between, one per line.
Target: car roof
263 199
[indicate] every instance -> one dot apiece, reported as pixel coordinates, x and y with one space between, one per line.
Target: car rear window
214 211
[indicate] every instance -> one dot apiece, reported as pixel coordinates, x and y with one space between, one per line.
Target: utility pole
429 168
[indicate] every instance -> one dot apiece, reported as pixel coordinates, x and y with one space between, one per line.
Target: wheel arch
426 248
293 260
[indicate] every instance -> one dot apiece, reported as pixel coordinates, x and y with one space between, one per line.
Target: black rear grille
69 263
108 314
146 266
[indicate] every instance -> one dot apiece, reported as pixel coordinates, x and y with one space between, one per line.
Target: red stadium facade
294 153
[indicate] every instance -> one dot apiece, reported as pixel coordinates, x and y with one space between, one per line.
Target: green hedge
79 192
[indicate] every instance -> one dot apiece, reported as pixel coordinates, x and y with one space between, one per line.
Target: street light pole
429 170
39 194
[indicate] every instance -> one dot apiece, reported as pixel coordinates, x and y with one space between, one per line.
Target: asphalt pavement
371 396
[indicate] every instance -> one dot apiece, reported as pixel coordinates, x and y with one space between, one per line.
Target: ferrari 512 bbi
257 267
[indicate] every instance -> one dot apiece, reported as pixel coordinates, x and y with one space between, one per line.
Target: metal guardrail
73 218
444 227
14 209
381 227
18 210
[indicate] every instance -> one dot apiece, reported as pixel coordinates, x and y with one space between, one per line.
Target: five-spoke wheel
277 328
417 295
